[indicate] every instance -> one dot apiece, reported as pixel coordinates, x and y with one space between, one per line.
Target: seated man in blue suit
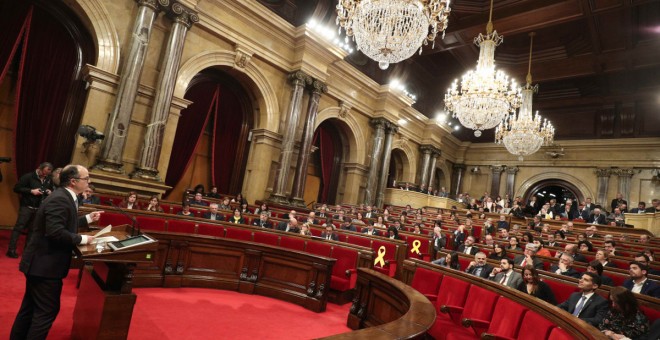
639 283
587 304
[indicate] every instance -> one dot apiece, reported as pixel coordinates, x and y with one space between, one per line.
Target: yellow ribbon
381 255
416 245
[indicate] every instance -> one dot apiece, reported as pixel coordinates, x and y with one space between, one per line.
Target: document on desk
104 230
105 239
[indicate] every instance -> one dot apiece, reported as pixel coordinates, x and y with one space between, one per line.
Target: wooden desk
416 199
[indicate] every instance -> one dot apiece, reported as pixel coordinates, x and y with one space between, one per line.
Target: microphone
133 219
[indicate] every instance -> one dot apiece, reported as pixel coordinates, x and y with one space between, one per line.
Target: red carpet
182 313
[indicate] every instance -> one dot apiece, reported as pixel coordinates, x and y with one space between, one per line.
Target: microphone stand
134 221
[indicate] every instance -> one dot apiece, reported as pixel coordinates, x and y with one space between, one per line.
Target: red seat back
480 304
359 240
346 260
176 209
390 249
453 292
294 243
559 334
507 318
239 234
561 289
316 232
211 230
427 282
424 246
266 238
114 219
181 226
651 313
318 248
151 223
534 327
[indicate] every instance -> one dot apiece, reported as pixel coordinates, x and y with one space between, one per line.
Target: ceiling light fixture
389 31
485 96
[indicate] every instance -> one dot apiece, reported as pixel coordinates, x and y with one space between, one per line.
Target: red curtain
228 121
14 22
327 153
205 98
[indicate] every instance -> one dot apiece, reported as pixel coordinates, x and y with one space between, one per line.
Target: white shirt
637 287
468 249
88 217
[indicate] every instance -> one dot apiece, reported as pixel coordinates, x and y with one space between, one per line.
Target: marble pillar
116 131
425 161
497 176
183 19
511 180
625 176
316 90
459 170
376 158
603 175
299 80
434 158
390 131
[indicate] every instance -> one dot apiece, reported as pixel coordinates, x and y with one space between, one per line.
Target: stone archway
399 167
571 183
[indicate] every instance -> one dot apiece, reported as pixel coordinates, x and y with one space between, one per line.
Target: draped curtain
327 154
228 121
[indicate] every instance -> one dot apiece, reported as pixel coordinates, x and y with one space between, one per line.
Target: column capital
497 168
512 170
426 149
299 78
153 4
623 172
183 15
603 172
459 166
391 128
379 123
318 87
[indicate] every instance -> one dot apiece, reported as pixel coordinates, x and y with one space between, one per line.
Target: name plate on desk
131 242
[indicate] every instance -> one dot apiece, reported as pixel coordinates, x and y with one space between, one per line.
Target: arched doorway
324 169
439 179
558 189
398 169
211 142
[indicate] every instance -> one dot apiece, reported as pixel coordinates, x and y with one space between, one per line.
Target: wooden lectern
105 299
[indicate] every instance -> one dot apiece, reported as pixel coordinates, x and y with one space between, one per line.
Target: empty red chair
534 327
175 209
316 232
150 223
266 238
181 226
344 272
357 240
559 334
114 219
294 243
506 320
427 282
319 248
478 310
239 234
211 230
561 289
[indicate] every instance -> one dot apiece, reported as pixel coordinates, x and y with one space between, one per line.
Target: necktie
524 262
503 279
579 306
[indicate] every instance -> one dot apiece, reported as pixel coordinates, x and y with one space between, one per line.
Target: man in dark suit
311 218
198 200
370 230
618 201
587 304
502 223
597 268
571 249
290 226
479 267
529 257
329 233
213 213
565 267
263 222
598 217
639 283
370 213
88 196
468 246
641 208
506 275
47 256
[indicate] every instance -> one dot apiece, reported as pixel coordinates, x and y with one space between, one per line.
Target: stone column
183 20
603 175
390 131
459 169
117 129
298 79
511 180
376 153
434 158
317 89
495 183
625 175
423 173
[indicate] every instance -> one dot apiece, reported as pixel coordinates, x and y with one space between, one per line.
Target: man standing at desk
47 255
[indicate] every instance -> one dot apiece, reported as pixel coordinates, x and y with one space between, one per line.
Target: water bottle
100 246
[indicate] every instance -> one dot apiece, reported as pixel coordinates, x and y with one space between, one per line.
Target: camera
90 133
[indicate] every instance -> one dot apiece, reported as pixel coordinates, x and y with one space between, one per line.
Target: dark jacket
487 268
649 288
31 181
264 224
593 311
218 216
282 226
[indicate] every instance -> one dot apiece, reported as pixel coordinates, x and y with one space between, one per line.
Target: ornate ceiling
597 62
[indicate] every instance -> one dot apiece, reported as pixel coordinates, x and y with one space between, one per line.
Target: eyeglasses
82 178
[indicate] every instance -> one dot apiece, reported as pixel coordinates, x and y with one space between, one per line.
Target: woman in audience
238 199
533 285
130 202
449 261
304 229
498 252
581 237
559 235
603 257
402 218
386 214
199 188
154 204
262 208
380 222
513 244
527 237
225 204
244 208
358 219
624 320
417 229
237 218
473 205
186 210
585 247
392 233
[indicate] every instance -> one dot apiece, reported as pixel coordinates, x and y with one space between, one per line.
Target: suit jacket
606 280
239 221
515 279
570 272
350 227
649 288
282 226
370 215
439 243
502 225
615 203
265 224
333 236
537 263
53 237
580 258
473 251
638 211
487 268
218 216
593 311
600 219
374 232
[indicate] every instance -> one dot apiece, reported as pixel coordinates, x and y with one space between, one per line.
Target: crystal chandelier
523 134
485 96
389 31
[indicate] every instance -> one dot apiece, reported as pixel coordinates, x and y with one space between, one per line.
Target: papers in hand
104 231
105 239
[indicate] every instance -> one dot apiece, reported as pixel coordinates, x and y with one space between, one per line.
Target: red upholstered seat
424 247
316 232
427 282
150 223
464 262
197 212
479 307
506 319
342 237
114 219
651 313
390 257
166 208
364 241
477 232
266 238
211 230
534 327
559 334
180 226
239 234
344 275
561 289
318 248
294 243
176 209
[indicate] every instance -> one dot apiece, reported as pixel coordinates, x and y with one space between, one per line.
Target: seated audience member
370 230
244 208
369 213
552 242
542 250
263 221
568 212
213 213
238 199
449 261
581 237
641 209
502 223
130 202
649 253
199 201
88 196
571 250
225 204
504 234
655 206
289 226
443 192
154 204
529 257
323 213
488 227
583 212
591 232
646 260
610 247
261 209
618 201
597 268
608 237
513 244
639 282
386 215
560 234
213 193
517 211
617 217
479 267
624 319
439 240
565 267
527 237
598 217
587 304
393 233
311 218
604 258
498 252
199 188
488 240
380 223
185 211
304 229
339 215
417 229
533 285
460 235
585 247
237 218
468 246
505 275
329 232
290 214
643 239
346 225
